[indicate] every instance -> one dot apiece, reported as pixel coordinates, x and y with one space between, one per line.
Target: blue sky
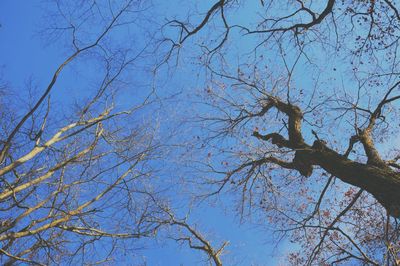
24 57
22 54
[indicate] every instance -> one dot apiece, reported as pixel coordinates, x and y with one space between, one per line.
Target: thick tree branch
382 182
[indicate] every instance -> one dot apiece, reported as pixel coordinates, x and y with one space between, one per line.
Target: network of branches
295 125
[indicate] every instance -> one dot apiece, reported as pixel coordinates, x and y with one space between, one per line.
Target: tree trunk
382 182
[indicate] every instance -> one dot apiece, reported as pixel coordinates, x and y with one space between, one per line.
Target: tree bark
380 181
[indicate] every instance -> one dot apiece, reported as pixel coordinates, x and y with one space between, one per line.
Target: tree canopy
283 113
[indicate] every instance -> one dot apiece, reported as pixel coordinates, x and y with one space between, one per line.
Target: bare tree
78 177
300 125
307 95
72 182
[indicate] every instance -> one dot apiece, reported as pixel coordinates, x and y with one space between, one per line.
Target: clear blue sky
23 56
